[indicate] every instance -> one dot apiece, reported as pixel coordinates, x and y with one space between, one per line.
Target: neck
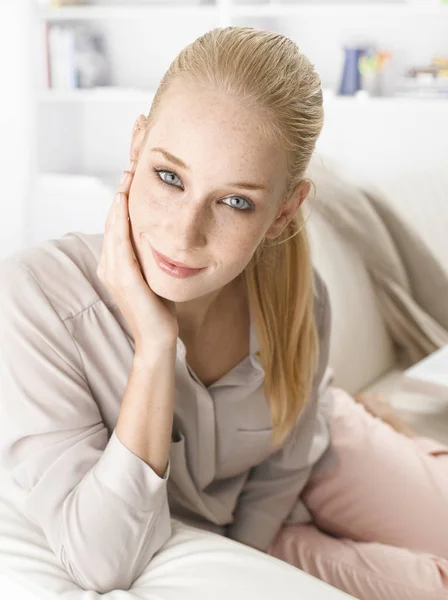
197 316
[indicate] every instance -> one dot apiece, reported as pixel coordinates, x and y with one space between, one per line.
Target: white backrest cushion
417 191
361 349
400 145
414 178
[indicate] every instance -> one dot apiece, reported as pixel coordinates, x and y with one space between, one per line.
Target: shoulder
63 269
323 318
322 307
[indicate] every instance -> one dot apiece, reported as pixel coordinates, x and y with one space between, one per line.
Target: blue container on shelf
351 80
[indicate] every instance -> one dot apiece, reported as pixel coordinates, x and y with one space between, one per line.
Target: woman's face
198 214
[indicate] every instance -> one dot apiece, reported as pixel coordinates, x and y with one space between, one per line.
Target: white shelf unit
92 13
101 94
227 12
87 131
234 9
75 141
132 96
277 14
324 9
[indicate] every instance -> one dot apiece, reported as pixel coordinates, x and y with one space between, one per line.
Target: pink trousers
380 513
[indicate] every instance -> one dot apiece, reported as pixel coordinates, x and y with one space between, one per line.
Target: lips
172 270
175 264
166 264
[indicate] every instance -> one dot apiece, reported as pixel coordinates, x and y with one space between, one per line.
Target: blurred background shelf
85 131
141 41
100 94
133 95
78 13
329 9
261 9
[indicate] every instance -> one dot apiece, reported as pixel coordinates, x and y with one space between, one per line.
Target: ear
138 137
288 209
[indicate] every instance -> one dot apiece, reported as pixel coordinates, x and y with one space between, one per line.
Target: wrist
150 354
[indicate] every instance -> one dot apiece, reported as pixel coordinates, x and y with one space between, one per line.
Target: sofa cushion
193 563
361 350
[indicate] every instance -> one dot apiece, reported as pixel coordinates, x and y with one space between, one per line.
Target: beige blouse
65 357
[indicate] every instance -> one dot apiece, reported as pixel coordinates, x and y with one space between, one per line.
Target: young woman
135 389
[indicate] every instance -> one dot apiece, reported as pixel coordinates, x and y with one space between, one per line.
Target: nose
189 225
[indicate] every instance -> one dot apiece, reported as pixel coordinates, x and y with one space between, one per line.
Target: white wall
400 145
17 123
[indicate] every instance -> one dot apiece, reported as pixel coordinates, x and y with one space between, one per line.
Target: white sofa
201 565
361 351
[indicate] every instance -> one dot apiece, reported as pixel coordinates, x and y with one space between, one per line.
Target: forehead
207 128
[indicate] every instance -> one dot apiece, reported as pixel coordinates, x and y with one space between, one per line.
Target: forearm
104 511
142 440
145 421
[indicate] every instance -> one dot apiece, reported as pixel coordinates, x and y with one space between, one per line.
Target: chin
170 288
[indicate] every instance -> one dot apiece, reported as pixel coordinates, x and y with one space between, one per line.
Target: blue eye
249 205
162 171
240 198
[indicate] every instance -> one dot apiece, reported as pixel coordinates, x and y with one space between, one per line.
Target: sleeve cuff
130 477
254 528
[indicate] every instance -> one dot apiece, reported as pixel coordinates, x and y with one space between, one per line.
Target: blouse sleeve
103 510
272 490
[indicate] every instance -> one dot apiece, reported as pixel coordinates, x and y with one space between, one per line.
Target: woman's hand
152 319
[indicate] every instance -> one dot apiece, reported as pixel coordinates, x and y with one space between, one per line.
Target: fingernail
118 198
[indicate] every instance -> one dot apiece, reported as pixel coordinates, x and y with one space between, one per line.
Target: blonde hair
266 72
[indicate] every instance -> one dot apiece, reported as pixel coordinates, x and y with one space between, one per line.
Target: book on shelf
60 3
61 53
76 57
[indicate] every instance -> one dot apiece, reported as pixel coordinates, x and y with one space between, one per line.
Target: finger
125 182
110 241
117 232
123 250
124 268
123 186
132 165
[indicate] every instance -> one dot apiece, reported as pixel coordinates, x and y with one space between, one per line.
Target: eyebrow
180 163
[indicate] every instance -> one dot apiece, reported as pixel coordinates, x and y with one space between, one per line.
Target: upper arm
50 420
103 510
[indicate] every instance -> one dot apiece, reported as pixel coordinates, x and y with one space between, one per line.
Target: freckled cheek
144 218
145 208
240 241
